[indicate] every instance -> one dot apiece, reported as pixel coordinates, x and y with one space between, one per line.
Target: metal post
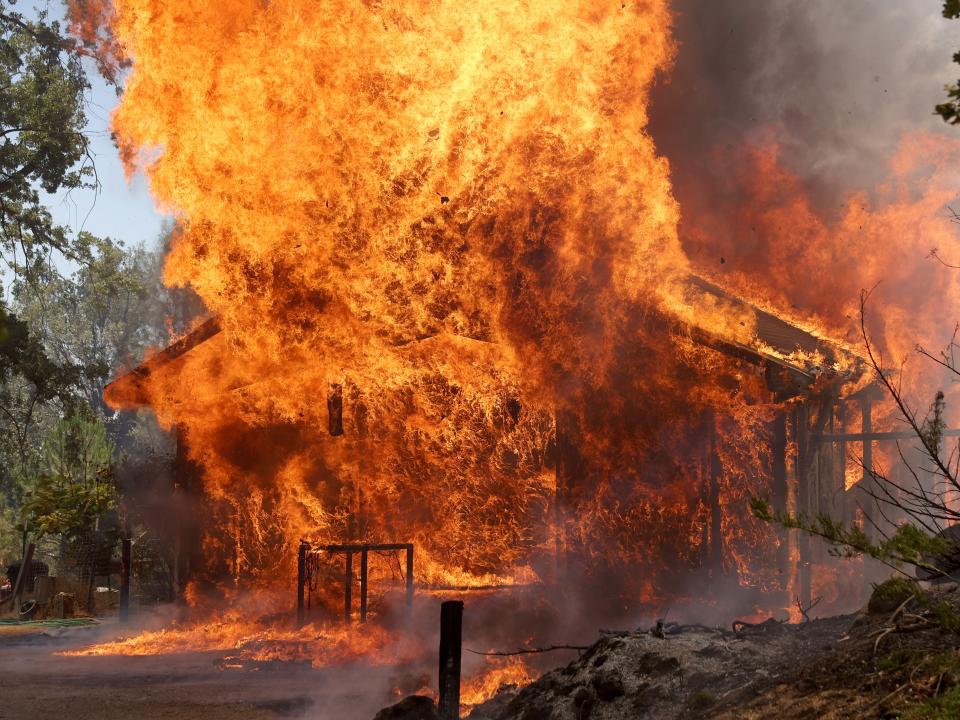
301 581
125 558
410 576
348 589
451 629
363 585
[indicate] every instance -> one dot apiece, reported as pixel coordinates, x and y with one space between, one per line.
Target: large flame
453 216
452 212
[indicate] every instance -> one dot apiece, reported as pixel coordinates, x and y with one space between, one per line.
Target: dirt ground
39 684
884 663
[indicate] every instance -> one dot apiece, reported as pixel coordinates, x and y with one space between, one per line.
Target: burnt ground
676 673
893 660
38 684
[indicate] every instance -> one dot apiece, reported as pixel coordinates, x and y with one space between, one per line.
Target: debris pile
665 672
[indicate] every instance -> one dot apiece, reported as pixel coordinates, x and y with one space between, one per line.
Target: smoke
836 84
808 162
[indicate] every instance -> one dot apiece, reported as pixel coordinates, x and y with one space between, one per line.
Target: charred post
716 473
363 585
301 581
866 479
842 460
802 434
348 586
451 629
781 489
188 548
409 577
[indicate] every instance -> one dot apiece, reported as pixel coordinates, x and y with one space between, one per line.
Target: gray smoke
837 81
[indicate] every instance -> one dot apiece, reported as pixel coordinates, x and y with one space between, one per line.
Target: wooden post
781 497
348 589
803 500
716 472
26 569
559 516
363 585
866 479
125 559
301 581
451 629
410 577
187 545
845 515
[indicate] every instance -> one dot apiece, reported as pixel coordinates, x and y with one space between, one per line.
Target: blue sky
120 209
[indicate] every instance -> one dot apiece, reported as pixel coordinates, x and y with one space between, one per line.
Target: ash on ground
671 671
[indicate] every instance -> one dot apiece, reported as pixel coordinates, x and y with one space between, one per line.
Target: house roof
774 343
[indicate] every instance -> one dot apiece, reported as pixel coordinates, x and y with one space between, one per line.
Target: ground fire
469 335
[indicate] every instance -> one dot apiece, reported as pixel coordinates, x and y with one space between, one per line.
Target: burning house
463 341
797 387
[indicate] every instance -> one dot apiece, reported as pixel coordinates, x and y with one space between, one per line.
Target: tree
950 110
99 317
74 491
42 141
917 517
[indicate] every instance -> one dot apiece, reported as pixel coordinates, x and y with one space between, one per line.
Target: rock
413 707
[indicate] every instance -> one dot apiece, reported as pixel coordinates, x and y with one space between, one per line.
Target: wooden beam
128 386
878 436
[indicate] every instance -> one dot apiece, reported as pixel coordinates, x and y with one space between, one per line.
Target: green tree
42 140
74 492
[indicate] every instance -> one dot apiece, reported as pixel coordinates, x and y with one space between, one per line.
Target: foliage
101 316
74 492
42 144
907 545
76 308
935 673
